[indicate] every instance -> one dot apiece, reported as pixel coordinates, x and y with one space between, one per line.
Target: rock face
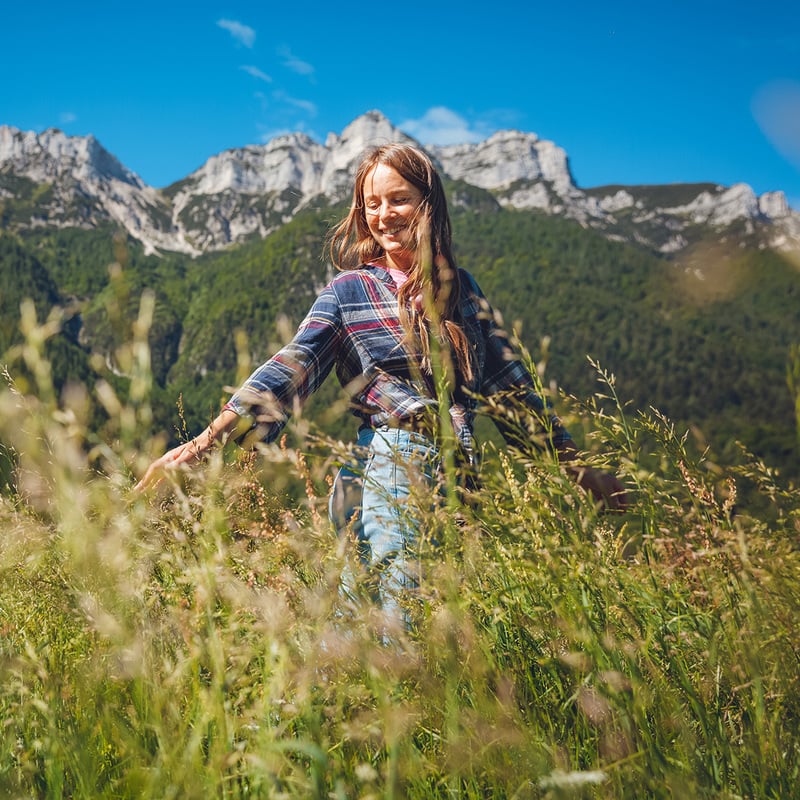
505 158
251 191
245 192
522 170
89 185
721 207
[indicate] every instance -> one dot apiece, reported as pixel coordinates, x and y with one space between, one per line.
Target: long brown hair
433 274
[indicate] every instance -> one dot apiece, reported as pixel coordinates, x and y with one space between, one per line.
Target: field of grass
195 642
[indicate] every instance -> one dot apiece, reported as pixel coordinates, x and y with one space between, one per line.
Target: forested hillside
703 336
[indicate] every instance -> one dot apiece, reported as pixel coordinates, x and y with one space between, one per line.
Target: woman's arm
266 397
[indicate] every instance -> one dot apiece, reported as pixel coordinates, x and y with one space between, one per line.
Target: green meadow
195 641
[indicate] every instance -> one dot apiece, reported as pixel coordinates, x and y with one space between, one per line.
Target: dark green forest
703 336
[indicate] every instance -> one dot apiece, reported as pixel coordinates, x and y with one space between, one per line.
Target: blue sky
635 93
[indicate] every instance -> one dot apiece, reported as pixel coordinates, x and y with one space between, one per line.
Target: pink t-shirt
398 276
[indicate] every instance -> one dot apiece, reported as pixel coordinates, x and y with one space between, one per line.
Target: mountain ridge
250 191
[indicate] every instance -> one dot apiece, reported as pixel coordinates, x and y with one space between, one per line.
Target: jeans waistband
422 424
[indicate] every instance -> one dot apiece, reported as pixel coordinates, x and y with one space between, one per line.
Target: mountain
51 179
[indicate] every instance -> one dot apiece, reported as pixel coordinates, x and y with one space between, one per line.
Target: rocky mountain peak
284 162
505 158
774 205
89 185
52 155
367 130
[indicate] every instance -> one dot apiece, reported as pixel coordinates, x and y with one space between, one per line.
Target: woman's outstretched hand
190 452
603 486
186 453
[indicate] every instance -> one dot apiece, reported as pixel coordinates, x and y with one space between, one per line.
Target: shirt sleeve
294 372
509 387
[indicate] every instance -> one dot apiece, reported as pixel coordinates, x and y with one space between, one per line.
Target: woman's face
390 208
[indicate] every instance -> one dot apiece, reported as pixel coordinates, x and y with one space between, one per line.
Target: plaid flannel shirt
354 326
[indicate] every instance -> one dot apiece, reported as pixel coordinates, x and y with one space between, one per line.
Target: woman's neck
403 263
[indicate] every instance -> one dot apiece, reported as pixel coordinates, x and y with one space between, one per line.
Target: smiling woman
398 300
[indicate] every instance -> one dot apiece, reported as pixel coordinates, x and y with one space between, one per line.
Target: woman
397 309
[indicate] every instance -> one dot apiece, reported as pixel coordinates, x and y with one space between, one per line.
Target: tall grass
196 642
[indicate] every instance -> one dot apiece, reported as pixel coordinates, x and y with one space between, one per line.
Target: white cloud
256 73
67 117
243 34
305 105
776 108
295 64
442 126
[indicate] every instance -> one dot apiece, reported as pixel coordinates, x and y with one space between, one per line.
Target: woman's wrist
217 430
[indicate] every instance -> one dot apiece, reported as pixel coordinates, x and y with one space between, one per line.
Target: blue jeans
370 498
